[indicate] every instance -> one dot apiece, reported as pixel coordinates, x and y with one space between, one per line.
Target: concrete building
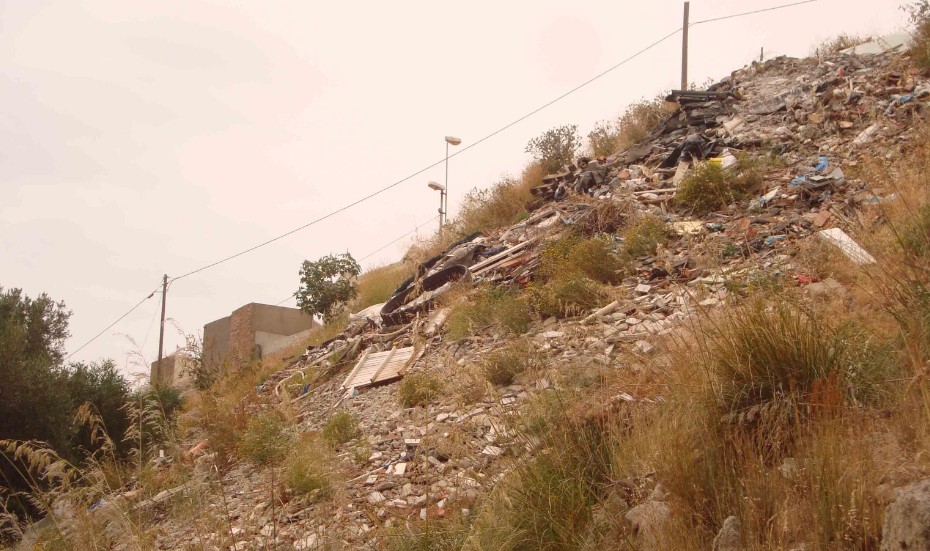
175 370
253 331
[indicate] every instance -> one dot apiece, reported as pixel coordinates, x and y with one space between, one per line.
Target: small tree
603 138
556 147
327 285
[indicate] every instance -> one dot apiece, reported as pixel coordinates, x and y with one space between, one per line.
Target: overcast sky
143 138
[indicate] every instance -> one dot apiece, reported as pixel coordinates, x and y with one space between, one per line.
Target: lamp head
436 186
451 140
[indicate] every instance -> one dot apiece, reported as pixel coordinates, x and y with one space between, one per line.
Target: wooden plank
387 359
356 369
491 261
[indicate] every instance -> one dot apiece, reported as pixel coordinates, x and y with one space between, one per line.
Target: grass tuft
340 428
418 389
709 187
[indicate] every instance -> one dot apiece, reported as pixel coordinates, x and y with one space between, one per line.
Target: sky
146 138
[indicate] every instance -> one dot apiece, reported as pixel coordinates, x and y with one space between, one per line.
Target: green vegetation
709 187
265 441
555 147
488 306
643 236
307 470
418 389
327 285
919 16
502 366
341 427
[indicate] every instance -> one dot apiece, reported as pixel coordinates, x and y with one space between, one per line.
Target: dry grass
501 367
307 469
833 46
484 210
378 284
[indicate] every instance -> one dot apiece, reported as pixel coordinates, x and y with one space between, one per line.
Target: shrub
919 15
327 284
498 206
307 468
709 187
602 139
340 428
574 257
643 237
442 534
565 296
488 306
606 217
503 365
640 118
555 147
418 389
774 365
265 441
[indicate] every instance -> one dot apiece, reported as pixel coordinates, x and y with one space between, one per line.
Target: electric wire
108 327
376 251
732 16
437 163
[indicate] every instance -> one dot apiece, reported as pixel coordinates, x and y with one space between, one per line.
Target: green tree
327 285
555 147
34 400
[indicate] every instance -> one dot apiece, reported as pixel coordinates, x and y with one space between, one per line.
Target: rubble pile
814 120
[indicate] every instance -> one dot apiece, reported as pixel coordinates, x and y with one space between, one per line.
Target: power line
732 16
107 328
437 163
376 251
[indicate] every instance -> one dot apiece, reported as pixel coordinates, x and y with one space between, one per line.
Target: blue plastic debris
305 389
798 182
772 239
822 164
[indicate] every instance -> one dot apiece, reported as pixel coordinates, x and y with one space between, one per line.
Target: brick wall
242 332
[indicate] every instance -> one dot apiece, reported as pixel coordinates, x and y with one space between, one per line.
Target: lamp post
442 203
450 140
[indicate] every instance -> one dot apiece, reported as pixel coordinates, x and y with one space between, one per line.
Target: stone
651 520
729 538
907 519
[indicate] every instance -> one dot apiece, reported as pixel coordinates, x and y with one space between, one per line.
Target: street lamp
442 202
450 140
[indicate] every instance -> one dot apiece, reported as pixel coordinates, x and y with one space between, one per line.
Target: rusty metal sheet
378 367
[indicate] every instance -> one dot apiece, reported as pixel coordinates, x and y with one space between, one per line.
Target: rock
728 539
907 520
651 520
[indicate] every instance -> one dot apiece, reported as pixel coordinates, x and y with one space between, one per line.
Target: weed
265 441
447 534
709 187
502 366
643 237
833 46
640 118
418 389
498 206
307 468
919 16
377 285
488 306
605 217
565 296
573 257
340 428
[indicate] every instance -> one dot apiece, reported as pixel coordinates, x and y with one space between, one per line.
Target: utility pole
684 48
161 332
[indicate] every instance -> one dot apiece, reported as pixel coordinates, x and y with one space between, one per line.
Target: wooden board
377 367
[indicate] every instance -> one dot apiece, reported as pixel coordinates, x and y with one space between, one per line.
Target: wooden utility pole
161 332
684 48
